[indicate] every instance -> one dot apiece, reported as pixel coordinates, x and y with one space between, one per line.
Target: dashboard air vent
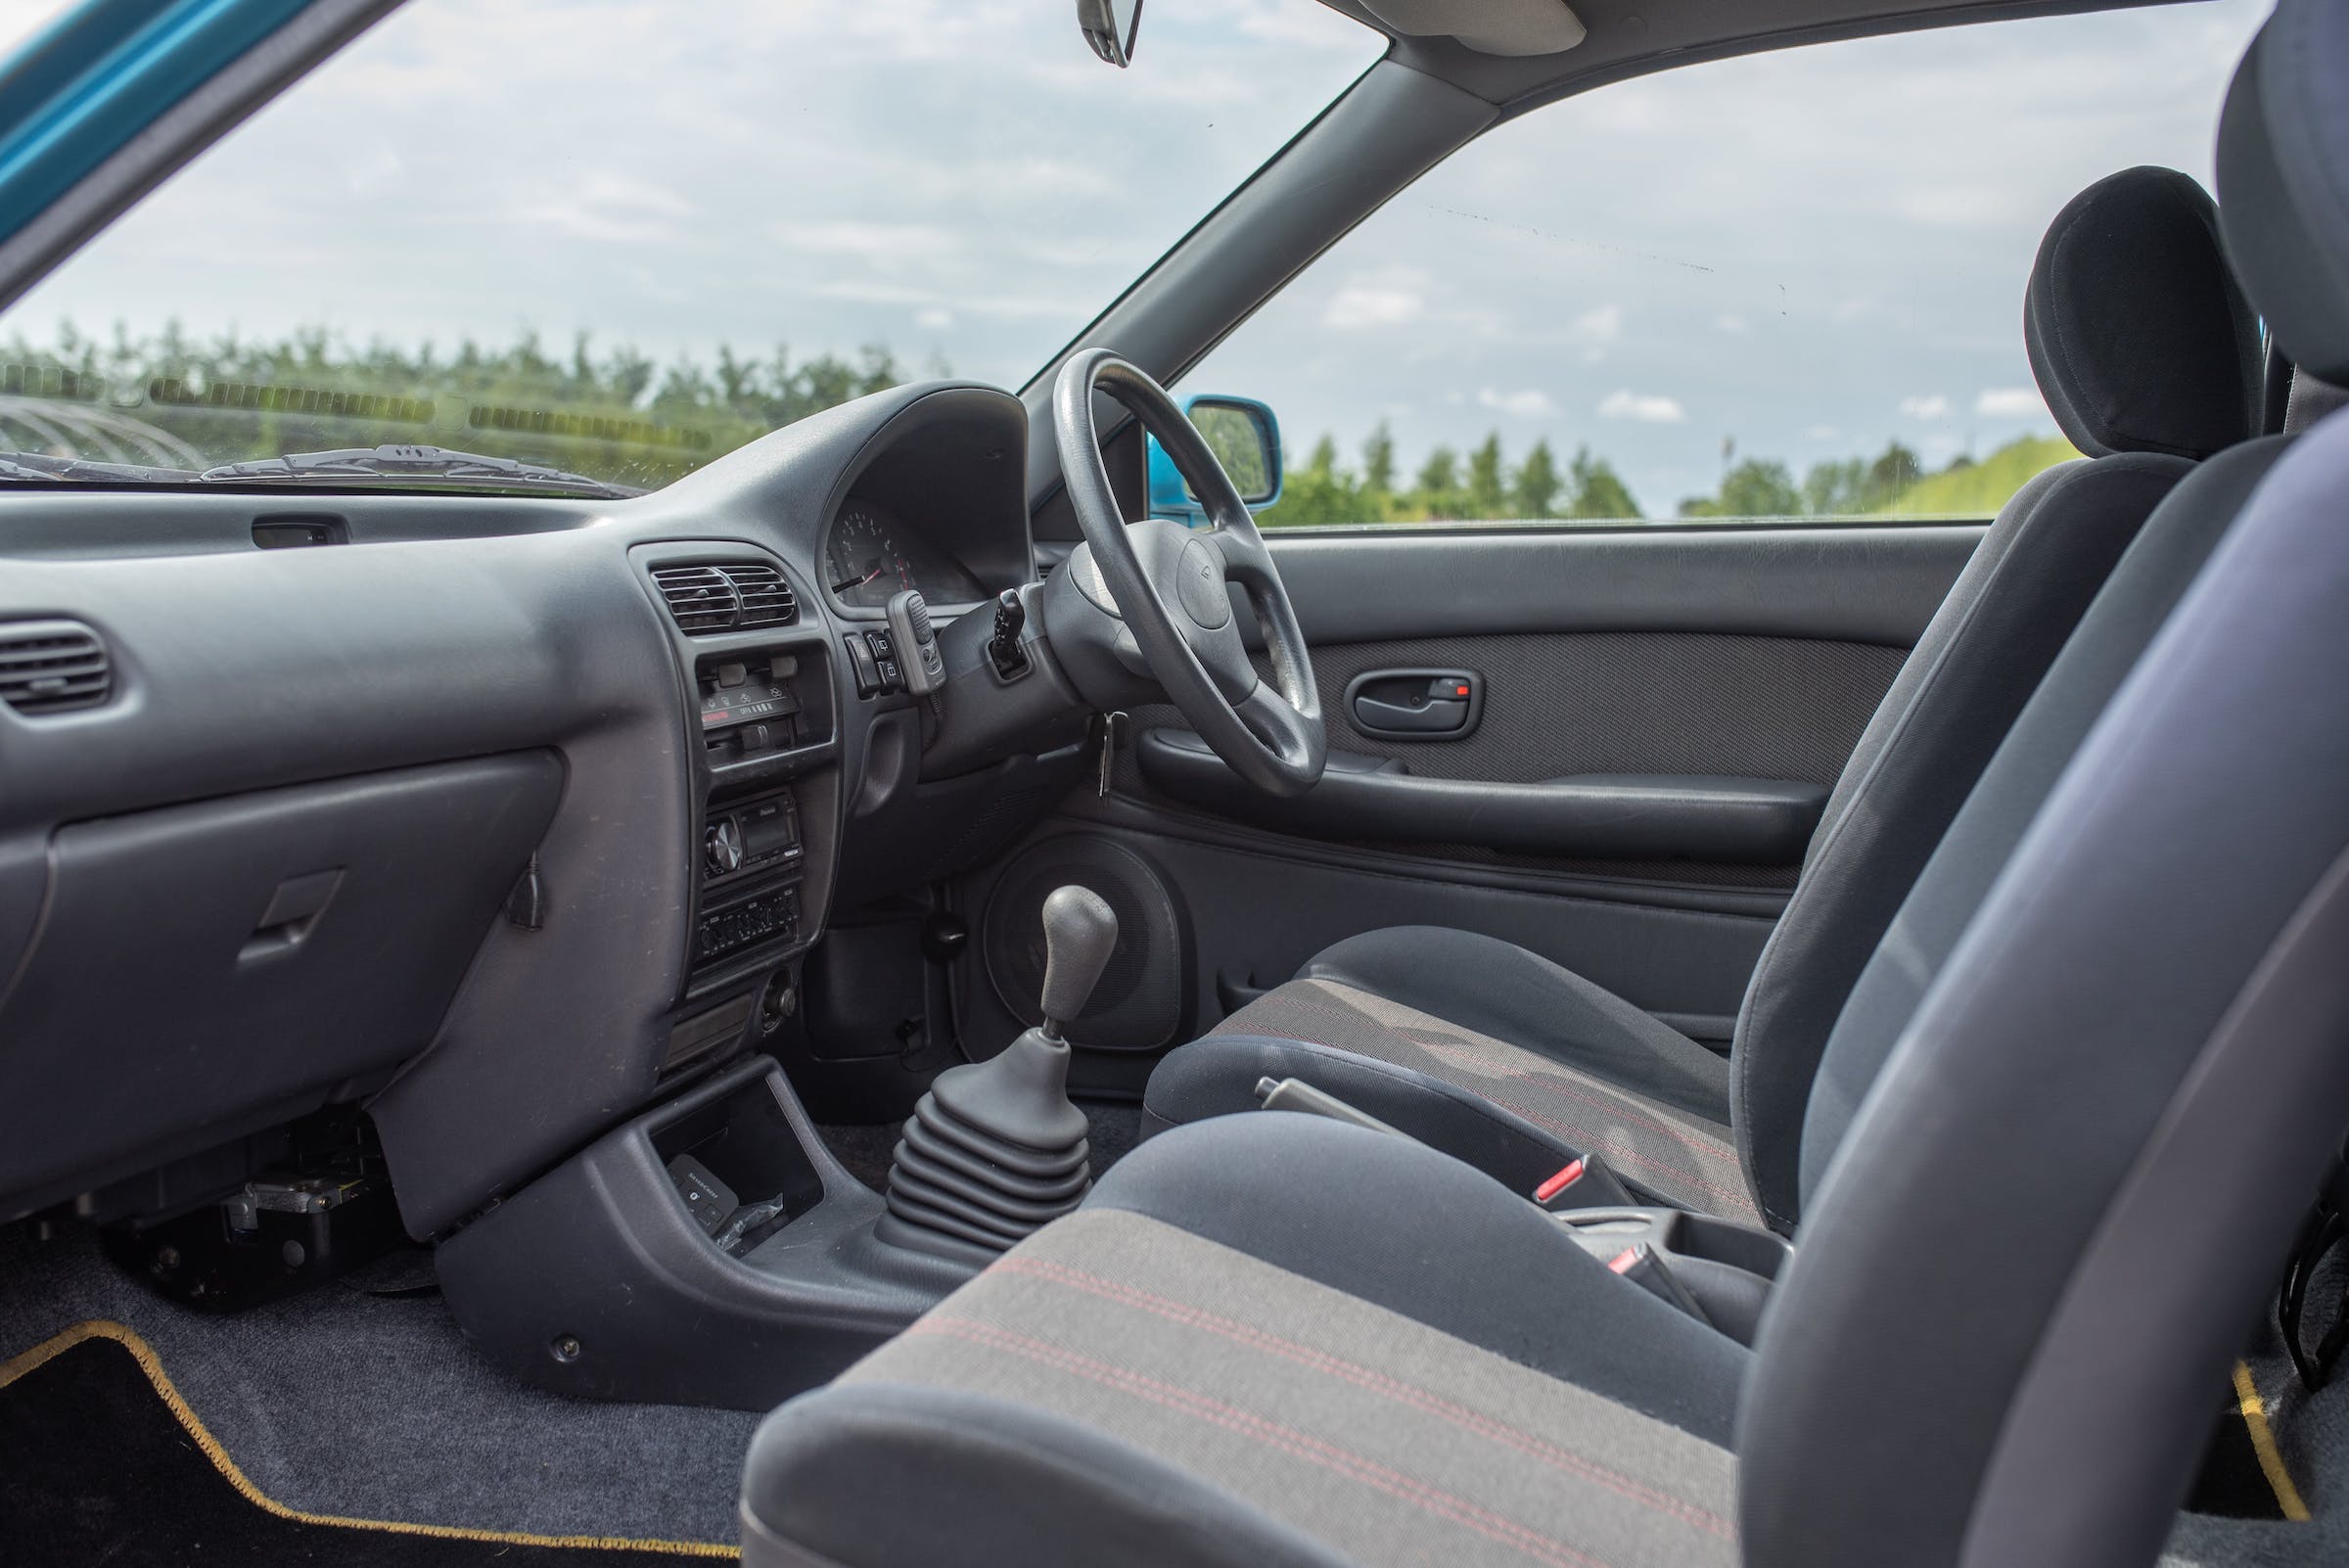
766 599
727 596
53 667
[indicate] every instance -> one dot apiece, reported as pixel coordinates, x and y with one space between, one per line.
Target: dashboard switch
861 661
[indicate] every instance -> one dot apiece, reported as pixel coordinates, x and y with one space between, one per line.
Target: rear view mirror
1109 25
1245 439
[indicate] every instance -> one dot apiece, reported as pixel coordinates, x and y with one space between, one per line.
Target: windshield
613 240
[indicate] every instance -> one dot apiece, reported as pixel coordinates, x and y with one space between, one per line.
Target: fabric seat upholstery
2151 359
1182 1371
1473 1094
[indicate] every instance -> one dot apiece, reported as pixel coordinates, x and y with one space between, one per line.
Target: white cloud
1597 330
2010 403
1530 403
1602 325
1648 408
871 243
1961 207
1726 322
1363 304
936 319
1924 405
1822 432
610 209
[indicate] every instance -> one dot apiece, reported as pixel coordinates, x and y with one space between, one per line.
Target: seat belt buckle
1581 1182
1640 1264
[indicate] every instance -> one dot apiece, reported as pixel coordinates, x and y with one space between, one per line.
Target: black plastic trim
1599 815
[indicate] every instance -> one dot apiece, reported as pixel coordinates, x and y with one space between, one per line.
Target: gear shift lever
1081 930
994 1150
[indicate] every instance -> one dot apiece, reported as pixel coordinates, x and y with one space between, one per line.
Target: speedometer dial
863 560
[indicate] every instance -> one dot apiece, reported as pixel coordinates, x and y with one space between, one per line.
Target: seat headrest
2284 181
2139 334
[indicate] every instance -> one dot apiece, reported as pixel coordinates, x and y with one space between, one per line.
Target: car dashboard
498 815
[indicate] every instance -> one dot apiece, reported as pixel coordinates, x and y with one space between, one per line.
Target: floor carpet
103 1462
372 1406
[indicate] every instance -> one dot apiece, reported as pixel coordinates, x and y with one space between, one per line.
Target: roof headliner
1632 37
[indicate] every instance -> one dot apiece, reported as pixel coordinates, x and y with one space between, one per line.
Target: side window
1789 286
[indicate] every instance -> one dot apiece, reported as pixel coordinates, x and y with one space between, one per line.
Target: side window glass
1783 287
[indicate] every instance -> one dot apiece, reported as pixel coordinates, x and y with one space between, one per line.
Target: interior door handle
1431 715
1415 703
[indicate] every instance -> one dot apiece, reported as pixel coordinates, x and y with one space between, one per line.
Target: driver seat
2151 358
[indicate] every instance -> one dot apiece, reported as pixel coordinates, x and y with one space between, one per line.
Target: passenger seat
2150 360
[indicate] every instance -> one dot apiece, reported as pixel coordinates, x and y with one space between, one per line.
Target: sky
1806 254
1798 256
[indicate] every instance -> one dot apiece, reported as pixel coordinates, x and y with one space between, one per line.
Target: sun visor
1489 26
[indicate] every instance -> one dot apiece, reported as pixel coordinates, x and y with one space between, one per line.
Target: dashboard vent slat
725 596
53 667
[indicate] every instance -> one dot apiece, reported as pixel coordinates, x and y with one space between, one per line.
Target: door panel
1759 724
1730 668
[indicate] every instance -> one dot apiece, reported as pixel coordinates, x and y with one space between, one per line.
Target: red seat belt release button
1565 1177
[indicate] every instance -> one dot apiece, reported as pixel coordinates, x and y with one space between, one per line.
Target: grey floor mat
1117 1126
2312 1433
373 1407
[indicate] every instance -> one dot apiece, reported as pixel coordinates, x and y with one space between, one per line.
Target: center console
713 1251
757 667
709 1251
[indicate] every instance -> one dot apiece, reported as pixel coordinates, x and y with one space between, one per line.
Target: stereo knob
721 847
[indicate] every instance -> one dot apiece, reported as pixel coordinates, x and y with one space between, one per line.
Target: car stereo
750 853
740 841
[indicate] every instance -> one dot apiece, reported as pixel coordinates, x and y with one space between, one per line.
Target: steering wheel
1167 583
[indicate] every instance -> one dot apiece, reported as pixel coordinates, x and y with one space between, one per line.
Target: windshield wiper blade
413 462
43 469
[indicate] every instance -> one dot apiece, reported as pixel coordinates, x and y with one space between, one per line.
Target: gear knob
1080 932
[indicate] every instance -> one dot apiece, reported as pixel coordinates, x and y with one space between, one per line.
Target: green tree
1437 495
1486 494
1319 492
1759 488
1836 488
1597 491
614 413
1378 471
1893 471
1536 488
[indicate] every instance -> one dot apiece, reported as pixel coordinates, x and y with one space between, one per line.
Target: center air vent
726 596
53 667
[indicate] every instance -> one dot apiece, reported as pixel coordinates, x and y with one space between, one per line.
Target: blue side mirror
1245 439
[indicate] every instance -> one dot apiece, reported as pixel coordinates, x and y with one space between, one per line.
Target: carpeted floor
372 1406
102 1463
2310 1438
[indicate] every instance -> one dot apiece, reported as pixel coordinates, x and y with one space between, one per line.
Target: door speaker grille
1139 1005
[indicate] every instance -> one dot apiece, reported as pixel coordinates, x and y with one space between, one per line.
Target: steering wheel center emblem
1200 585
